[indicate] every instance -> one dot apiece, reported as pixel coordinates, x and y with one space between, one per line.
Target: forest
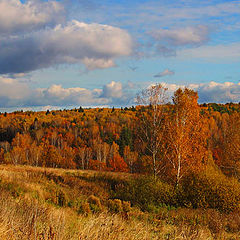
168 168
167 140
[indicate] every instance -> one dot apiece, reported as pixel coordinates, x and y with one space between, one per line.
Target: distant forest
164 139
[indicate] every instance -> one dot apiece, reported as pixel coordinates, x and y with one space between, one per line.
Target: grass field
41 203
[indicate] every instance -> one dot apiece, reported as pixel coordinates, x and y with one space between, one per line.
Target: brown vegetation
41 203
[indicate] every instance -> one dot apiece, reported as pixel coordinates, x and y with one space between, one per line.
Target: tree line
162 136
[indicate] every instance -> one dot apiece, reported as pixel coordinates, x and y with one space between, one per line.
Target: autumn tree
151 123
116 162
21 149
230 159
67 157
35 153
130 158
186 135
154 137
83 156
80 157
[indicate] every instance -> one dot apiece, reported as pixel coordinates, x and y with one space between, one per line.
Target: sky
91 53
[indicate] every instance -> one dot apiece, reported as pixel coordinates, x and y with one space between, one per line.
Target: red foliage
117 164
97 165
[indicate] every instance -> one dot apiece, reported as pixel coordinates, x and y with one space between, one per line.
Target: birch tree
186 135
151 123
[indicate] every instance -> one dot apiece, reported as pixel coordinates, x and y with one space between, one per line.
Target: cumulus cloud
192 35
219 92
166 72
15 93
112 90
16 16
12 88
12 92
212 91
92 63
59 96
94 45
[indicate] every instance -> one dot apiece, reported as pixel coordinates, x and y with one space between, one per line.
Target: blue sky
69 53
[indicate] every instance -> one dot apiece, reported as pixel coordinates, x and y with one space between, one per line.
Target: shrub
144 191
126 206
115 205
84 208
215 223
12 187
211 189
61 198
95 203
233 223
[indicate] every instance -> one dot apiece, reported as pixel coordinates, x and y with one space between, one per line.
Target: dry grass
45 204
28 221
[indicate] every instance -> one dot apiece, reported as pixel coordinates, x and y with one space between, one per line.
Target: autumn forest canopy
182 143
154 137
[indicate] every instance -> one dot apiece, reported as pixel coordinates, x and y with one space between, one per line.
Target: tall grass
56 204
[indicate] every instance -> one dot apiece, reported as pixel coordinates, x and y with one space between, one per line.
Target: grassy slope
39 203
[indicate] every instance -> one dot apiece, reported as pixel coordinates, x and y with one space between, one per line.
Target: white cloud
14 93
212 91
59 96
11 88
94 45
16 16
172 87
193 35
113 90
166 72
219 92
92 63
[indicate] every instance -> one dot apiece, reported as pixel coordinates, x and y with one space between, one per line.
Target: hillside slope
44 203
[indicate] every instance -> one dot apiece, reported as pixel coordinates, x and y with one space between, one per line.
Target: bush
115 205
95 203
233 223
118 206
84 208
126 206
12 187
144 191
211 189
61 198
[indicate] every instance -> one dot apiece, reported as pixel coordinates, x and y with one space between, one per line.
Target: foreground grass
39 203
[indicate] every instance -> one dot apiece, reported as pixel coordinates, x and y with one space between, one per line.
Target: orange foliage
167 139
117 164
97 165
1 155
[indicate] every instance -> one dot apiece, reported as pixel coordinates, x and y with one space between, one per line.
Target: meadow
46 203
